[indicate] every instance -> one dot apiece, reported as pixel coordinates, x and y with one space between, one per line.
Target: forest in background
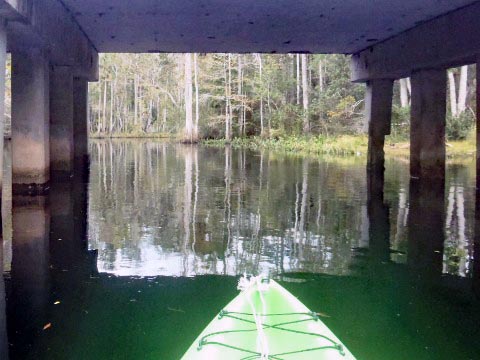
227 96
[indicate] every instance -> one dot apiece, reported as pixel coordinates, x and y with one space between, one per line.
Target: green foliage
313 145
459 127
144 94
400 123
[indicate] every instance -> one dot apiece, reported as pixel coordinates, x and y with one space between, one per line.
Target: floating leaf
175 310
47 326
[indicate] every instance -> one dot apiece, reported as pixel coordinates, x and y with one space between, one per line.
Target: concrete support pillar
476 241
30 122
80 123
3 59
378 111
61 122
427 127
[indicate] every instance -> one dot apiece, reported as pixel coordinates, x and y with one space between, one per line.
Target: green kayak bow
265 321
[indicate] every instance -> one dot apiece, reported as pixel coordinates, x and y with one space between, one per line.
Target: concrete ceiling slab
268 26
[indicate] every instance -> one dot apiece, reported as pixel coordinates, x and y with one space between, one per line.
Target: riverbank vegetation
340 145
294 102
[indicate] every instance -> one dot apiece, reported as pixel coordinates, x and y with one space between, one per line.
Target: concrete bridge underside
55 46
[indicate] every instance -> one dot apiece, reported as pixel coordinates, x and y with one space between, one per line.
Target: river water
134 260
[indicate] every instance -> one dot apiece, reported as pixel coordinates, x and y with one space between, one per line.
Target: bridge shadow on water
135 261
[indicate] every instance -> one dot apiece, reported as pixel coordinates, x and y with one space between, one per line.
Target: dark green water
142 255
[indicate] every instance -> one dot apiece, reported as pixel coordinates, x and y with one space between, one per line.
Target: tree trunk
306 123
197 104
462 90
298 79
157 119
135 100
227 98
164 124
404 93
320 76
112 94
230 115
99 121
188 99
262 130
269 110
409 86
453 93
240 86
104 118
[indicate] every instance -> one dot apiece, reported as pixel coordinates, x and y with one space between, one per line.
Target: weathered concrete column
427 127
80 123
378 112
30 122
476 239
61 121
3 59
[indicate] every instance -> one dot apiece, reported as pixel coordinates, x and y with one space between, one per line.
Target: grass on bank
343 145
132 135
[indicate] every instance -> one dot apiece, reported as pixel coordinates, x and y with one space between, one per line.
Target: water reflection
347 244
29 289
179 210
3 309
159 209
425 226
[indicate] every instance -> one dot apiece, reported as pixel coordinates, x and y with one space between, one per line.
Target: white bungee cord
246 284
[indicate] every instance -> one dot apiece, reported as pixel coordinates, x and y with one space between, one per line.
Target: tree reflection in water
164 209
403 250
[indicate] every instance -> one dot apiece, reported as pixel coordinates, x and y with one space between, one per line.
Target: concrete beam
80 122
30 122
427 126
476 238
3 58
49 25
478 132
378 111
15 10
447 41
61 121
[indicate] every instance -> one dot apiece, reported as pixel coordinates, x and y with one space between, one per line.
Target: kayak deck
265 321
